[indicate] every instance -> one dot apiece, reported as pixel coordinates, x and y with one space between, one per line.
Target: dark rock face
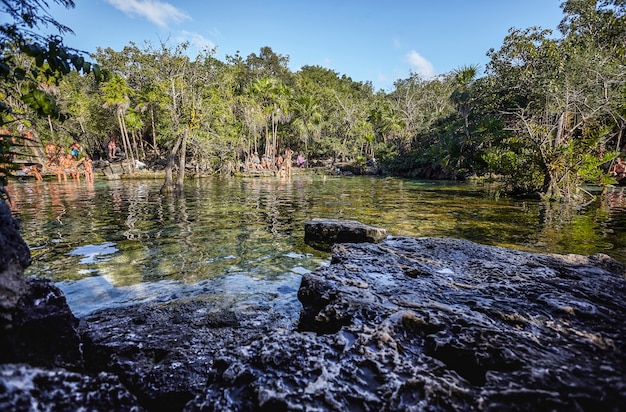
13 249
323 233
14 258
36 324
27 388
43 331
164 353
405 324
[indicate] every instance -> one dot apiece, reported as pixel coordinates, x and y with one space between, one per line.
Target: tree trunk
168 183
267 141
51 129
120 123
274 134
181 167
143 150
136 146
127 142
154 142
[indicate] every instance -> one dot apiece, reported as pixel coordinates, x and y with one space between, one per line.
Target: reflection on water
116 242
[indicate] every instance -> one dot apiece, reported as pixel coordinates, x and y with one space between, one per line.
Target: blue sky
377 41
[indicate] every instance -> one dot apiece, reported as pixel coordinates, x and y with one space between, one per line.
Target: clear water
241 239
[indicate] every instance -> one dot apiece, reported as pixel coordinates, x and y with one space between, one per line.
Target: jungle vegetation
545 116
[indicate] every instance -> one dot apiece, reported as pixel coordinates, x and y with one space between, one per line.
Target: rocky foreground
404 324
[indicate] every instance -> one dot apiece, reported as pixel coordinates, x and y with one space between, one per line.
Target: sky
375 41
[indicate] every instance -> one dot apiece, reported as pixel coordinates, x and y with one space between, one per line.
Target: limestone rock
323 233
13 249
14 258
493 328
27 388
36 324
406 324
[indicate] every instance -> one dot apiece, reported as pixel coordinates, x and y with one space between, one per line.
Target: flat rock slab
323 233
447 324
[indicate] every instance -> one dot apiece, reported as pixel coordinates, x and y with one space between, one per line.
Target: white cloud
384 81
421 66
158 13
196 40
397 44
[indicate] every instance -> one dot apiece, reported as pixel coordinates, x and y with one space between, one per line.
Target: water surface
117 242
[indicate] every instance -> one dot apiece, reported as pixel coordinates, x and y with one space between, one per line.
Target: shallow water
118 242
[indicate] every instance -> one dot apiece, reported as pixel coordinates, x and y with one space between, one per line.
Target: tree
268 64
51 59
564 98
463 95
116 94
307 119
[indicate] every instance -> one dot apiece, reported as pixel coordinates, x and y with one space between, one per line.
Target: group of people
281 165
62 163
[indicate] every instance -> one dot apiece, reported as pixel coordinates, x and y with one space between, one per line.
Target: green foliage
515 162
31 66
547 115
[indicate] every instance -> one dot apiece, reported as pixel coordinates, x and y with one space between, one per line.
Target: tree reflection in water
253 228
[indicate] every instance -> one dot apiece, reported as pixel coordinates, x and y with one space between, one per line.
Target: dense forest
545 116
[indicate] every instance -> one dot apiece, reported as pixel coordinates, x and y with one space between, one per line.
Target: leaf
78 62
97 72
20 73
40 102
4 69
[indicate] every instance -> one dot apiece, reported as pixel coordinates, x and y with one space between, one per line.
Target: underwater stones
323 233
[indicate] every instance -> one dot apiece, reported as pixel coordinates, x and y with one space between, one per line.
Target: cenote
240 239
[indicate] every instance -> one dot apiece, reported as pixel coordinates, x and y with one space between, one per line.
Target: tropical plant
29 62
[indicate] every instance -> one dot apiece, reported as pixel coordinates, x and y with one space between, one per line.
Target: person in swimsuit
88 165
111 148
288 163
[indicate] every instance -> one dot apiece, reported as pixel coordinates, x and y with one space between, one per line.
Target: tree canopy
546 116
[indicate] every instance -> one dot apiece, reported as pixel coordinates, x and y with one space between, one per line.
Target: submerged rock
323 233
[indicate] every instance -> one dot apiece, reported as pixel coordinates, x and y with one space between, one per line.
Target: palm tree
307 119
262 90
281 112
116 94
463 96
150 101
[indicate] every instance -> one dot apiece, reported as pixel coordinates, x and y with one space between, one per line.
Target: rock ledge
404 324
